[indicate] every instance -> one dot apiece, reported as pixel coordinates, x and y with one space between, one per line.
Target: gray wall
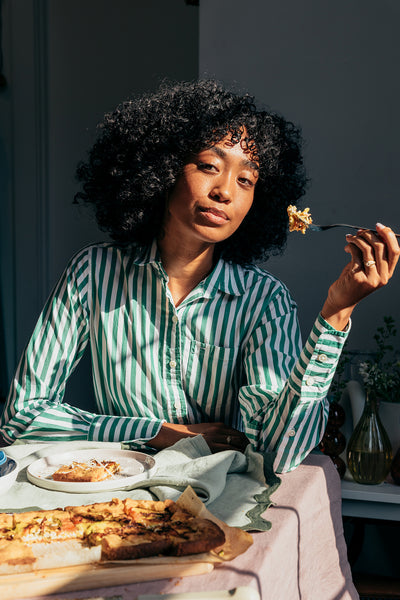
67 62
332 68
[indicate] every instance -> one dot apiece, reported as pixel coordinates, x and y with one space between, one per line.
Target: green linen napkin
235 487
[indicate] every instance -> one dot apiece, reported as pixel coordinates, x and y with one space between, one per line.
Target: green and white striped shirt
230 352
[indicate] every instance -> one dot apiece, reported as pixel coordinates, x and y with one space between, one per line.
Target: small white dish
8 474
134 468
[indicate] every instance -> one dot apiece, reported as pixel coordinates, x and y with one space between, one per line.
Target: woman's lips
214 215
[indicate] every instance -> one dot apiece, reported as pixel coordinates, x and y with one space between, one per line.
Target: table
303 555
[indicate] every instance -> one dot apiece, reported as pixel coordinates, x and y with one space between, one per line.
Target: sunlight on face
213 195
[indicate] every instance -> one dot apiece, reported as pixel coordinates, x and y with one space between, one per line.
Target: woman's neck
185 266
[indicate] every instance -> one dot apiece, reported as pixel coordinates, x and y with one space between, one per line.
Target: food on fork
299 220
104 531
93 470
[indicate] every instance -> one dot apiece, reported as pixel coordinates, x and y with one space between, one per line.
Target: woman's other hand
373 260
217 435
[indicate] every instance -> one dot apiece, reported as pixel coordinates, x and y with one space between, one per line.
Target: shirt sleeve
34 407
283 404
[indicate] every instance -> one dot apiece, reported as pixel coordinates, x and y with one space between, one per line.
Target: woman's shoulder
256 275
262 292
90 259
100 251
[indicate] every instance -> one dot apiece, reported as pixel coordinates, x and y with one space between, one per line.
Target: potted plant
377 430
381 376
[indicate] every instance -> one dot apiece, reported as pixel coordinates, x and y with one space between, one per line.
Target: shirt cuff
318 360
122 429
324 324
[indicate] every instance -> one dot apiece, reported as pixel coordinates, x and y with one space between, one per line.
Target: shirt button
175 319
172 364
310 381
291 433
176 405
322 358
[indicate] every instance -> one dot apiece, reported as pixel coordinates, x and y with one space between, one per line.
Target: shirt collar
226 277
148 255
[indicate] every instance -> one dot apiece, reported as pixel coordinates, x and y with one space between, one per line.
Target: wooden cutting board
86 577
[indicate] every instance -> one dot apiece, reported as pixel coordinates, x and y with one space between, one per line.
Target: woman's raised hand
373 260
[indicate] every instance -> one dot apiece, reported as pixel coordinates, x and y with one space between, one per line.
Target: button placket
174 362
175 349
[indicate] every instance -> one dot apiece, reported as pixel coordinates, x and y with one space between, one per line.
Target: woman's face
212 196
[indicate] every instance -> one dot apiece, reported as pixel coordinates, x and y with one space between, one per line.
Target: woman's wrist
167 435
337 318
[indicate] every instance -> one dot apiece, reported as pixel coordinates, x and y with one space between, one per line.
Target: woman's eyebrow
245 162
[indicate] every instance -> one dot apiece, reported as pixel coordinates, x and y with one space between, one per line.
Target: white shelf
383 492
380 501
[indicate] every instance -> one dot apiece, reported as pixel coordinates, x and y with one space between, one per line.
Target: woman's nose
222 190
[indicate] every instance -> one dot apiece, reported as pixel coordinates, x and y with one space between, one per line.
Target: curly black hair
144 144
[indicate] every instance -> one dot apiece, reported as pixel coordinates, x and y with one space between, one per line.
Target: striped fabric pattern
230 352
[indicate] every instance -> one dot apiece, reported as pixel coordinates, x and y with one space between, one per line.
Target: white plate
134 468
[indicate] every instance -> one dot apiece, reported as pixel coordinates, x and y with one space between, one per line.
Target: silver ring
370 263
228 440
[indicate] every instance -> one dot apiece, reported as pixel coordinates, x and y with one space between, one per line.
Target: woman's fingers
226 439
357 261
368 254
218 447
373 260
376 255
392 246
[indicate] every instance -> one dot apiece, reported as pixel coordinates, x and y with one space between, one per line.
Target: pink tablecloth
303 556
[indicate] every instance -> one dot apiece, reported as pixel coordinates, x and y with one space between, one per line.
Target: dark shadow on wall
3 359
79 388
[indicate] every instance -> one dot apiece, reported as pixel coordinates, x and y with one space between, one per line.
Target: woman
187 336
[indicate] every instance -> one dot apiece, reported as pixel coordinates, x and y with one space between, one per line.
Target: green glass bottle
369 451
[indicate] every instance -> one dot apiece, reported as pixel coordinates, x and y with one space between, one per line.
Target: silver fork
315 227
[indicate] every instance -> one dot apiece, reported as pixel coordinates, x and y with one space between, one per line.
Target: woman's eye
246 181
207 167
